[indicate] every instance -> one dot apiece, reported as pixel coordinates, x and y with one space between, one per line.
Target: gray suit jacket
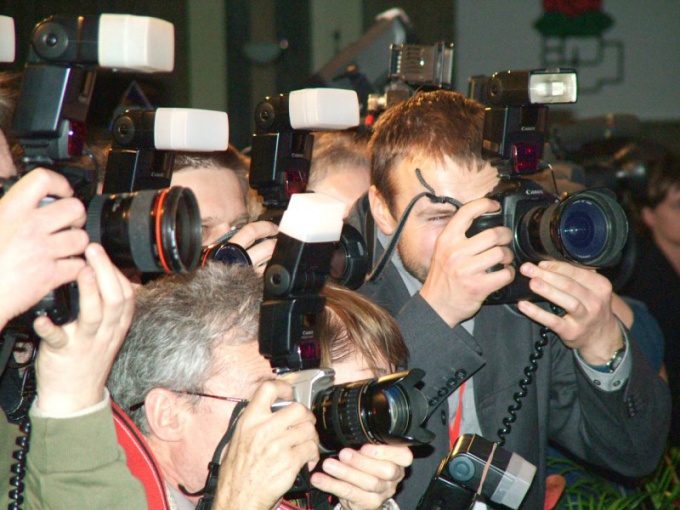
624 430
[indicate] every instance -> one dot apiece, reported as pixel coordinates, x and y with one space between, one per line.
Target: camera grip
482 223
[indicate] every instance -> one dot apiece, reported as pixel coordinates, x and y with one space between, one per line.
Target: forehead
239 369
446 176
214 188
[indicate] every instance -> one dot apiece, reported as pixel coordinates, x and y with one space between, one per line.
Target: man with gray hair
191 357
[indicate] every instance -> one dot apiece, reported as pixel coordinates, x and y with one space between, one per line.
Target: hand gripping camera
587 228
389 410
478 467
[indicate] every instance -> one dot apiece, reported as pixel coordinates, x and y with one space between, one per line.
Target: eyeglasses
236 400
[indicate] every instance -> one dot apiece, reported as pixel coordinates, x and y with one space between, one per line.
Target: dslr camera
588 228
389 410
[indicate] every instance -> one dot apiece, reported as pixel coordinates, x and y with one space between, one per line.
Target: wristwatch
613 363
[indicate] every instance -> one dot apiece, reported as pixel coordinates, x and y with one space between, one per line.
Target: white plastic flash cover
7 39
323 108
136 43
190 129
313 218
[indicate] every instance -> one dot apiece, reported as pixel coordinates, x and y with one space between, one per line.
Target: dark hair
435 124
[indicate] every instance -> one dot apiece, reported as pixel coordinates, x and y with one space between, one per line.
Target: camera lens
588 228
583 230
388 410
152 230
349 262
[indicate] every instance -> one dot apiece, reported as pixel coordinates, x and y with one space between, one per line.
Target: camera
386 410
379 411
478 466
150 230
412 66
588 228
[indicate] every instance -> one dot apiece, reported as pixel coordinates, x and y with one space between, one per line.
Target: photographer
190 359
220 182
73 446
655 278
593 393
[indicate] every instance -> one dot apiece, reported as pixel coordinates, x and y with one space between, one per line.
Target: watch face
616 360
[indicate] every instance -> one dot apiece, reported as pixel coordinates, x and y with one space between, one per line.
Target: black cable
19 468
208 492
528 379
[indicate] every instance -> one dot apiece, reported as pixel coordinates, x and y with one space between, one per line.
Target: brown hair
437 124
351 322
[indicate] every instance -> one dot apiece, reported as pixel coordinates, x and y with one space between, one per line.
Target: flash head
308 110
118 41
422 66
313 218
7 39
172 129
517 88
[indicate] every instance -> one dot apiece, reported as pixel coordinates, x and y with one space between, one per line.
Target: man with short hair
593 391
191 357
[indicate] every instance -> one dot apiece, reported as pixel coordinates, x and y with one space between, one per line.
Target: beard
413 266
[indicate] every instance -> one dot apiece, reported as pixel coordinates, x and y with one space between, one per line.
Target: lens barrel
388 410
152 230
588 228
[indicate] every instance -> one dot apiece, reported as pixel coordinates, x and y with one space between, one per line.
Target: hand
260 252
267 451
74 360
364 479
589 323
39 246
457 282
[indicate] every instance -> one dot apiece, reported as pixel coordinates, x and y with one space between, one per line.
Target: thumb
50 333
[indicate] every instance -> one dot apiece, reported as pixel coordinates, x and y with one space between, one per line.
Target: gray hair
178 323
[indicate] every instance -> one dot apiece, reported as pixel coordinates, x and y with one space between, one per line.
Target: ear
381 212
166 417
647 216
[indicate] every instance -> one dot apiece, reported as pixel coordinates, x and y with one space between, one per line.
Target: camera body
477 465
588 228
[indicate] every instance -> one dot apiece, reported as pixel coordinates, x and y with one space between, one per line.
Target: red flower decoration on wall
573 18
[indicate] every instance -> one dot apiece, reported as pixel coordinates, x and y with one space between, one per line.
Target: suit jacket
623 430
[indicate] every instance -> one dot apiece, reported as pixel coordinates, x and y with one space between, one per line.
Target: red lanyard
454 428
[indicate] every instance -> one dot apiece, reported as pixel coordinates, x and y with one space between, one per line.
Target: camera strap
389 250
210 488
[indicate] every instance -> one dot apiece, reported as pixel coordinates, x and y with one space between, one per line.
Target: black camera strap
210 488
389 250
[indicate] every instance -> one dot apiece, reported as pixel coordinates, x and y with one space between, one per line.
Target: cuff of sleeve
610 381
36 412
76 444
